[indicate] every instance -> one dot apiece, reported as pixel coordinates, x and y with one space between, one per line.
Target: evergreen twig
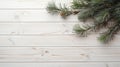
101 11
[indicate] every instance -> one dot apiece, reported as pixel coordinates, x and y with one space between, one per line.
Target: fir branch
82 31
64 11
102 16
101 20
52 8
85 14
109 35
78 4
61 10
101 11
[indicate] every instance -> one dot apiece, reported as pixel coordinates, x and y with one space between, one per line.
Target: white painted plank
58 54
36 28
87 64
17 28
32 15
53 65
53 40
28 4
114 65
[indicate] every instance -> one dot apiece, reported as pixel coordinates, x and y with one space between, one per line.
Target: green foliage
102 16
78 4
85 14
109 35
82 31
62 10
52 8
101 11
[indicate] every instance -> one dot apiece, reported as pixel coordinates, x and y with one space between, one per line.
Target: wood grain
54 40
32 15
31 37
28 4
36 28
54 54
59 64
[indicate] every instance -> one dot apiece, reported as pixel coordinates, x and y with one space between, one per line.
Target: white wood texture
54 40
32 15
56 54
31 37
60 64
36 28
28 4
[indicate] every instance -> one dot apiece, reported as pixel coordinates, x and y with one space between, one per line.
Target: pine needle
52 8
82 31
101 11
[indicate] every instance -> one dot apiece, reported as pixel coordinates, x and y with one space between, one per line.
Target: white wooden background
30 37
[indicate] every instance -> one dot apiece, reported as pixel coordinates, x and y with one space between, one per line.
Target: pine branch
82 31
78 4
62 10
101 11
102 16
85 14
109 35
52 8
